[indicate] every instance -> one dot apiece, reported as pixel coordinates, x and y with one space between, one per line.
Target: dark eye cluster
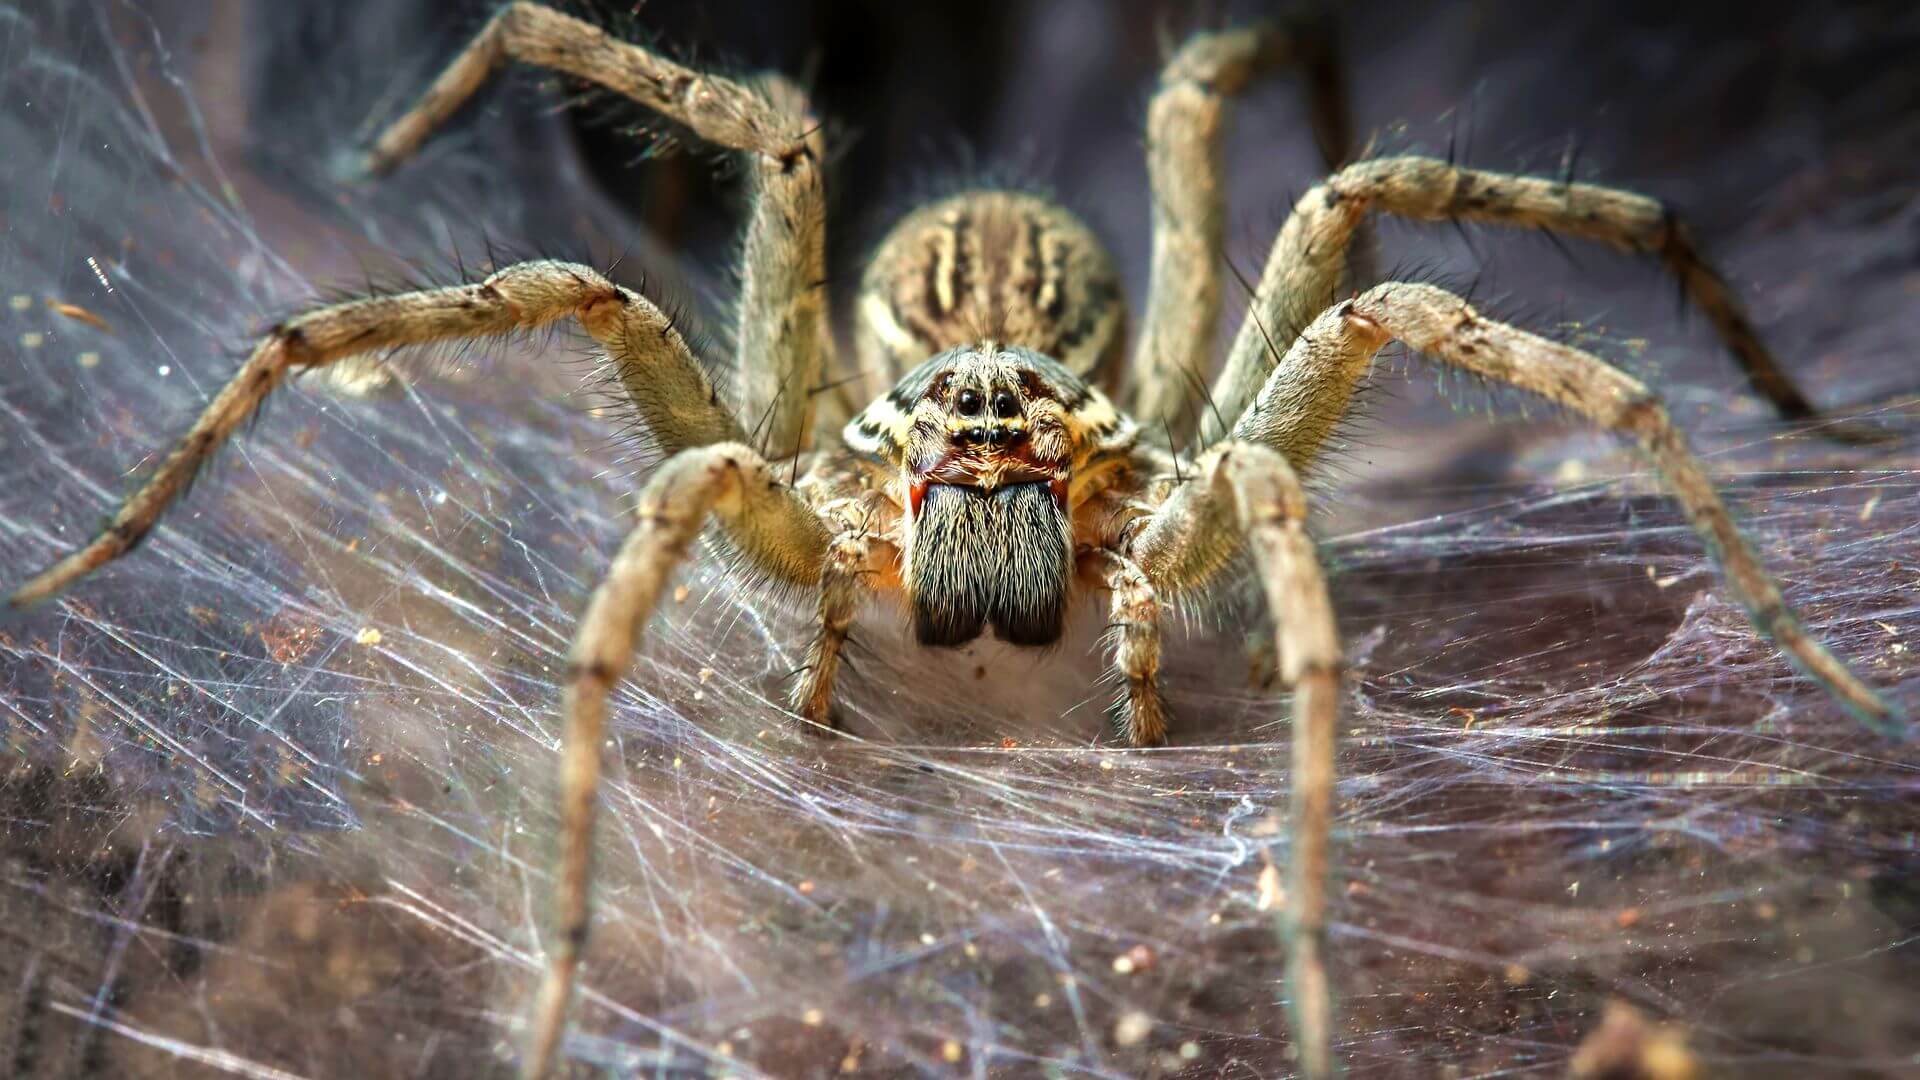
971 403
1005 405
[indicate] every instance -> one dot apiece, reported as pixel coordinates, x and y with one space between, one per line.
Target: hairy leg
1310 256
781 336
840 585
1249 493
667 384
1186 135
1315 377
729 481
1140 714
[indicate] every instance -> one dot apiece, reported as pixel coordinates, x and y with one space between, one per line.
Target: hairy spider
997 481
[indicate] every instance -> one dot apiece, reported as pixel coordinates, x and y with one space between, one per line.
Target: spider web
279 799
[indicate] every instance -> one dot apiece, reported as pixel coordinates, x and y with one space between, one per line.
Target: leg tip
24 600
1891 723
355 167
1141 725
1855 432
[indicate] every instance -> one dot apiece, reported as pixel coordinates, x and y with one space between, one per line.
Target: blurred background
277 799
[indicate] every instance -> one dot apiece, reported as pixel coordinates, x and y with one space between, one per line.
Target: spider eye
968 403
1005 404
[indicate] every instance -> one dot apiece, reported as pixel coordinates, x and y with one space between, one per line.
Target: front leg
1140 713
1244 497
728 482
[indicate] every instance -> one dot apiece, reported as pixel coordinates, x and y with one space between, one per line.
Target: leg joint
594 671
1643 415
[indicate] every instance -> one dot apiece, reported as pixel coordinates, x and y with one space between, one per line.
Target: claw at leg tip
353 167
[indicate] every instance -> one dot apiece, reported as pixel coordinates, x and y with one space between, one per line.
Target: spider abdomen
991 265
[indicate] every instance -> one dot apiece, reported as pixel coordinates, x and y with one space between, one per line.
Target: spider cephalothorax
995 446
997 477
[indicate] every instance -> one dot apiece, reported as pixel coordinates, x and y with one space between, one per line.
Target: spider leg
1186 136
733 483
1250 493
1313 380
840 589
1310 256
781 334
667 384
1140 714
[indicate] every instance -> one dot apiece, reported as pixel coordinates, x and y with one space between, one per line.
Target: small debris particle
1132 1028
1106 764
1138 958
32 339
1518 975
1189 1050
89 360
1273 895
368 635
813 1018
1042 1001
1627 918
707 674
951 1052
680 594
927 939
20 302
806 888
287 642
1009 743
980 671
79 314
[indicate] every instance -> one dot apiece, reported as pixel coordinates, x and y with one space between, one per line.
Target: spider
997 481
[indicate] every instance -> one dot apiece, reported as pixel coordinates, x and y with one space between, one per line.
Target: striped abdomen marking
991 266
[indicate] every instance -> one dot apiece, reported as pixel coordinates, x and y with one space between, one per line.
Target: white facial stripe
881 428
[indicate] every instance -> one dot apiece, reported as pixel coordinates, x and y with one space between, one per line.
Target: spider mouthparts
999 558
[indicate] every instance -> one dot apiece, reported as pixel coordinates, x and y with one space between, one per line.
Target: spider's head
987 440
